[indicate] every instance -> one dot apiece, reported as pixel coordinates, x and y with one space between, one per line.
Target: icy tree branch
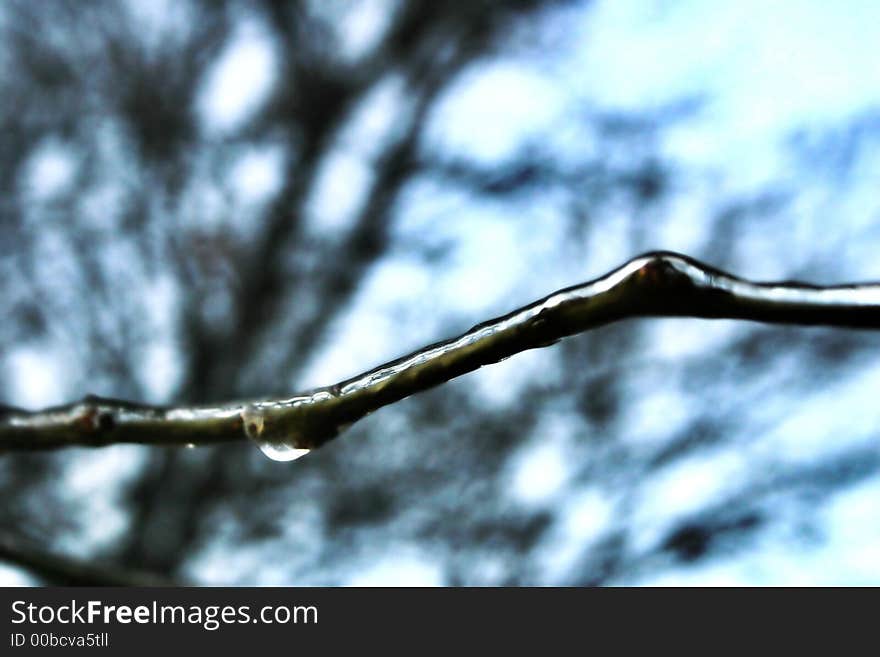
653 285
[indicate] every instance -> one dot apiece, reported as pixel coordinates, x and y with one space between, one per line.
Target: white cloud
240 81
341 189
51 171
399 567
36 377
493 110
256 174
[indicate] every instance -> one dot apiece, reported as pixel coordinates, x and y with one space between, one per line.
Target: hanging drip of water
288 429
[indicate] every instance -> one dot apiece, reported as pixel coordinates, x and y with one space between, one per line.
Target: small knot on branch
664 271
664 284
93 419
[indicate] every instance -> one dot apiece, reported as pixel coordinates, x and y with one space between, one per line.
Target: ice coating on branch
657 284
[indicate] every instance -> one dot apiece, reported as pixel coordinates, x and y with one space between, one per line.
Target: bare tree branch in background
66 571
653 285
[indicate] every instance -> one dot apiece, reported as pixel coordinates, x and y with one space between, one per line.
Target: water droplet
282 452
274 444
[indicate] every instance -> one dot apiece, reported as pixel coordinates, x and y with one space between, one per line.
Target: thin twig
653 285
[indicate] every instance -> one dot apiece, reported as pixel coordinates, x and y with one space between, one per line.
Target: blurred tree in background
203 201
